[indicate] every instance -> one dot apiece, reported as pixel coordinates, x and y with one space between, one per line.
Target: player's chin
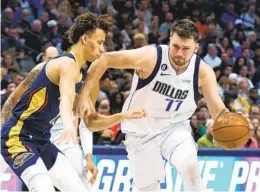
180 63
93 58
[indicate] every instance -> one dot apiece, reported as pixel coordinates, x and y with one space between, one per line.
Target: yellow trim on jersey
14 144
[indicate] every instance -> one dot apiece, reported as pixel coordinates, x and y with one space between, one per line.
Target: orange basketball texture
231 131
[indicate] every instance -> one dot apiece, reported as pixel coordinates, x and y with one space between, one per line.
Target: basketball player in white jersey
167 82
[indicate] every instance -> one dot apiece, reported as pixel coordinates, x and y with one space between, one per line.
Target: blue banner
220 170
239 172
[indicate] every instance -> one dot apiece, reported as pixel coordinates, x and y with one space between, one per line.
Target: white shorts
145 152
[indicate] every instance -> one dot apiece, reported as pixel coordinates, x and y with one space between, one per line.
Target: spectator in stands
106 136
252 129
254 98
211 58
224 85
49 53
254 112
203 116
117 101
12 43
63 23
243 73
24 23
10 88
257 55
224 44
252 142
53 35
227 70
249 18
33 38
257 134
195 124
153 35
207 139
243 88
140 18
165 27
93 7
44 18
249 61
142 28
240 61
7 20
139 40
255 122
147 14
238 102
229 15
19 78
9 62
127 33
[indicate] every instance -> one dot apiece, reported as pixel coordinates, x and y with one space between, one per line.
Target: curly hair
185 28
65 43
87 23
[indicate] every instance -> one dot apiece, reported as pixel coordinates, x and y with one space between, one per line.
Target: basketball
231 131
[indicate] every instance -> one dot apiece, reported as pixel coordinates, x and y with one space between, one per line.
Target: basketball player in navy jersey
79 155
167 82
47 93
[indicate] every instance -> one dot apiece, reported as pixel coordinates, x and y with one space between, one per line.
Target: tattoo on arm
31 76
7 110
15 96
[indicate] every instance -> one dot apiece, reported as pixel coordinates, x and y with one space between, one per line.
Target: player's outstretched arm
131 59
18 92
208 86
102 122
68 77
97 122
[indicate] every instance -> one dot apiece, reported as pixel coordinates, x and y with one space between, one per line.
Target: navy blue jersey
38 107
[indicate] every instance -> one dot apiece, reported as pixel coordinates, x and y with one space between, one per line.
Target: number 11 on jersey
173 103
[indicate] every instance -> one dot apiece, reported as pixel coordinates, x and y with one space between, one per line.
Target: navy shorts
21 149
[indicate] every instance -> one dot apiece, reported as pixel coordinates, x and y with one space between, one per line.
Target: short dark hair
87 23
65 43
185 28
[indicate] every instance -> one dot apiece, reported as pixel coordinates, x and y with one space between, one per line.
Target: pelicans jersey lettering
168 97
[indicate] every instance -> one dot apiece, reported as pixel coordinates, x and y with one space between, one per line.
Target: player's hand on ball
231 131
135 114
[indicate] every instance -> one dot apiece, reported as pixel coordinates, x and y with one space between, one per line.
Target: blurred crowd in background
229 43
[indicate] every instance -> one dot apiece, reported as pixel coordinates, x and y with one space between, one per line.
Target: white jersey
167 97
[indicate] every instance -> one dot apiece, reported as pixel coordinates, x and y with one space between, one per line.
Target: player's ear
196 47
43 58
84 38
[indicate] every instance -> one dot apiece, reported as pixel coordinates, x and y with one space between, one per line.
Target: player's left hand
93 169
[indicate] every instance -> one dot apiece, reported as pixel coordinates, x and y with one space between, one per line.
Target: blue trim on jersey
197 95
65 55
144 82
